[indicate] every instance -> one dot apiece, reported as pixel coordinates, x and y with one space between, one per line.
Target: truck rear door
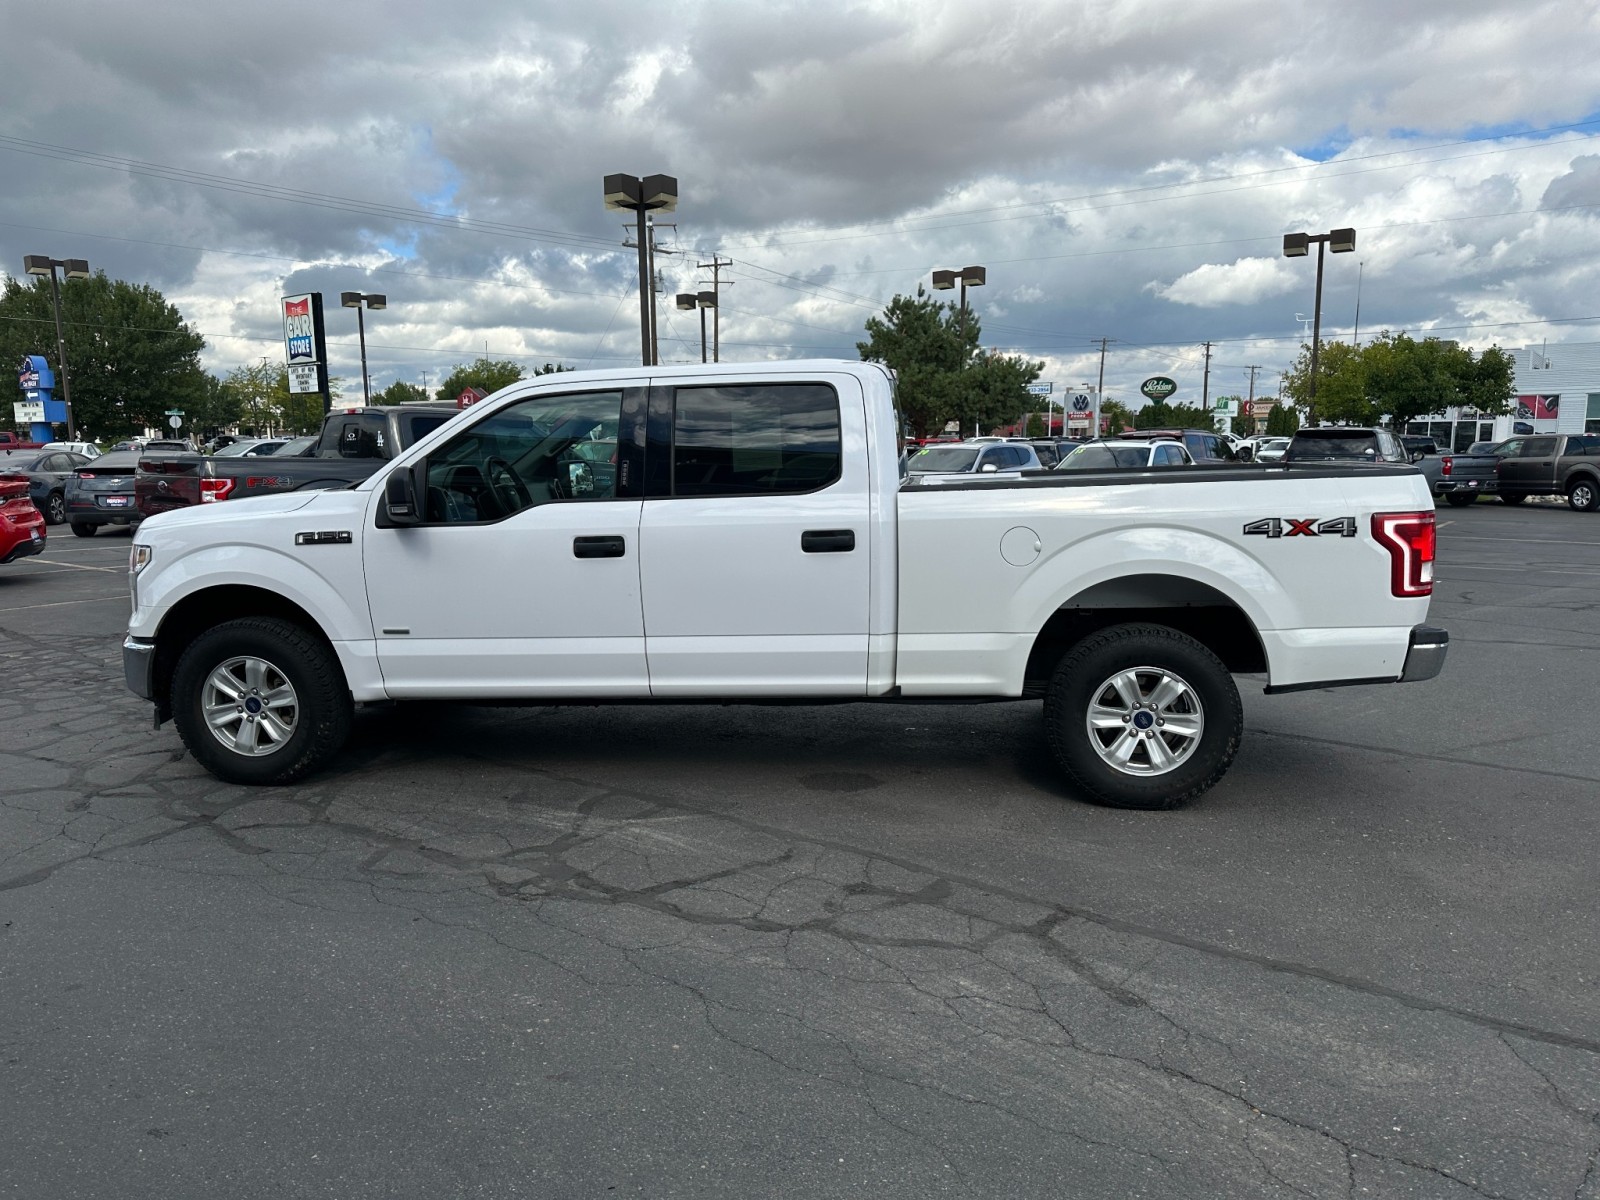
756 543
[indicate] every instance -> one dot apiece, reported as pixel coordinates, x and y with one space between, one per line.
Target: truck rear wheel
260 701
1142 716
1461 499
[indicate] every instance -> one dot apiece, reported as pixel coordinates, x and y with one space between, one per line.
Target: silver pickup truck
1462 478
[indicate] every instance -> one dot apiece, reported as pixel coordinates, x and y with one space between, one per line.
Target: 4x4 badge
1278 527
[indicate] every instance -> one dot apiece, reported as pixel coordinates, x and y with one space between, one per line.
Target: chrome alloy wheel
1145 721
250 706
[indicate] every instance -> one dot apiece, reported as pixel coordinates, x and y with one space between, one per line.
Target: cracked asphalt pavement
814 951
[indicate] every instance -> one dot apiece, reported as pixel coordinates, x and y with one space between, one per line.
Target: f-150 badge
1278 527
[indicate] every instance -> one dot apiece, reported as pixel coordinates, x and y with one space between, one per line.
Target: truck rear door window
758 440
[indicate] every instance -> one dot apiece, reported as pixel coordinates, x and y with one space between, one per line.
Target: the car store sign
1158 387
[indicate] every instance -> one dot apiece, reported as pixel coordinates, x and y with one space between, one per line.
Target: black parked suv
1347 443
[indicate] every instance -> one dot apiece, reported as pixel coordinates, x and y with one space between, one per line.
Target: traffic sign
173 412
175 421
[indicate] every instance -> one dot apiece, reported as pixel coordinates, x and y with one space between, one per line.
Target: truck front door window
544 449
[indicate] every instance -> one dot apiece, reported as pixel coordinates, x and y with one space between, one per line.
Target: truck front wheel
260 701
1142 716
1583 495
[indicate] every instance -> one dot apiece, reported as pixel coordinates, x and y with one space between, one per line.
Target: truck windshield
943 458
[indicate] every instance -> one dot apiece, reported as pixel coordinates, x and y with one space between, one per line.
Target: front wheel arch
200 611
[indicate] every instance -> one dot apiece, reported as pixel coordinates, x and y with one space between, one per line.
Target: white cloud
838 151
1215 284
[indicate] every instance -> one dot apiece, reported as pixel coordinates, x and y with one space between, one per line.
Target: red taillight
85 474
215 489
1447 464
1409 538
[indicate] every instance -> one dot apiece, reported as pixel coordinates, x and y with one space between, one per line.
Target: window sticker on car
1279 527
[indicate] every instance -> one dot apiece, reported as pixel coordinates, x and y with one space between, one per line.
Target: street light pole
356 300
1297 245
653 193
75 268
967 277
688 302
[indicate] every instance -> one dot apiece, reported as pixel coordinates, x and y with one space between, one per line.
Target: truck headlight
138 559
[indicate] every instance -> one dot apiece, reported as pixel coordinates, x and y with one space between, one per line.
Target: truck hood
229 511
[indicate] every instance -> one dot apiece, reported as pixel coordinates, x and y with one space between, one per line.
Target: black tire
1084 676
1583 495
55 509
322 710
1512 497
84 528
1461 499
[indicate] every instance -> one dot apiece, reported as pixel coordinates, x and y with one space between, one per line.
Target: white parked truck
740 532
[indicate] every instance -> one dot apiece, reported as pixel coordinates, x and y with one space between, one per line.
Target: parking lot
813 951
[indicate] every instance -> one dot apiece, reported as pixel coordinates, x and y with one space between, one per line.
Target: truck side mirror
400 499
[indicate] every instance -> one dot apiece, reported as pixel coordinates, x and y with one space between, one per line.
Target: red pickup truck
353 444
13 441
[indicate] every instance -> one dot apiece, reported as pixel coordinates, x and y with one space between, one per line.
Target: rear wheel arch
1197 609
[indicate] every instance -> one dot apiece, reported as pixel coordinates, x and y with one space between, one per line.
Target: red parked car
22 528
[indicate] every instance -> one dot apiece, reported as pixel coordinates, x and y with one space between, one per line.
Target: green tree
1282 420
1155 415
218 409
1400 378
400 392
941 374
489 374
1116 416
130 353
1035 427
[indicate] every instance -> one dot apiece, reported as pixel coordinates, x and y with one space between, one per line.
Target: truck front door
756 538
523 579
1529 467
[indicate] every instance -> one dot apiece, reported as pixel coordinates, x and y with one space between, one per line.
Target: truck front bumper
139 667
1425 658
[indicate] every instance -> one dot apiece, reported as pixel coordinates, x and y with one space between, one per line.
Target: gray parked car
971 458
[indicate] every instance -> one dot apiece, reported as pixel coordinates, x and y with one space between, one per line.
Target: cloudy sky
1125 169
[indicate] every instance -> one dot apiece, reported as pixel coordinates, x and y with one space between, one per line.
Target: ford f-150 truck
739 532
1551 464
353 443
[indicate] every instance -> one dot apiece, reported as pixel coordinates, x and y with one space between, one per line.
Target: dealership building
1558 391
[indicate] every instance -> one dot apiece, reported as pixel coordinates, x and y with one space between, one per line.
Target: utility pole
1205 381
1251 401
1099 391
715 267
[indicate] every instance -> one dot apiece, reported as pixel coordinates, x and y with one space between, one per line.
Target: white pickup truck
740 532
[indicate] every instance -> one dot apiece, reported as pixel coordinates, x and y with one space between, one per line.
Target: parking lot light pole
358 301
653 193
1297 245
688 302
75 268
967 277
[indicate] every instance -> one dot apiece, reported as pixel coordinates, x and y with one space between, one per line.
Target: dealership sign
1158 387
305 348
